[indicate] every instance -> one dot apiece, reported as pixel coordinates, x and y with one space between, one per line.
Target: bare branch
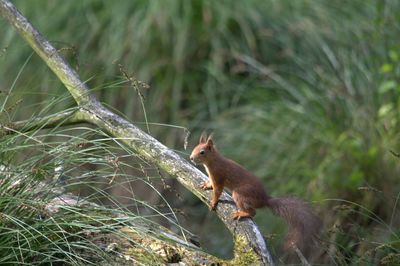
68 117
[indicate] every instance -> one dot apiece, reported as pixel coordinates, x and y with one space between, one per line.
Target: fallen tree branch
68 117
249 243
126 239
134 239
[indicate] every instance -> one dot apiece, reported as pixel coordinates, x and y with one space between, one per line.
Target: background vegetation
303 93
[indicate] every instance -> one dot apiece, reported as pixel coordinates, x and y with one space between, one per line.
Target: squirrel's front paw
206 185
213 205
235 215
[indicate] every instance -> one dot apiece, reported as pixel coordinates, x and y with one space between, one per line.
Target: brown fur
249 194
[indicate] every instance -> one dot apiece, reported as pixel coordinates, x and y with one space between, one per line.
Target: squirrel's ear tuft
210 137
203 137
210 142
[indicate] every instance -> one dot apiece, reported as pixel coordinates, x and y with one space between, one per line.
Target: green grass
38 167
303 93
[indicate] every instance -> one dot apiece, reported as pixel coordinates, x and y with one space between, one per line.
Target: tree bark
249 243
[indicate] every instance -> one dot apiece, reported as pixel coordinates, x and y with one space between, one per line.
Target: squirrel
249 194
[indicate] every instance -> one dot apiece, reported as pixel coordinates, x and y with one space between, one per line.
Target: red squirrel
249 194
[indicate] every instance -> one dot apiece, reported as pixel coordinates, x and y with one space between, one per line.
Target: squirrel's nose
191 158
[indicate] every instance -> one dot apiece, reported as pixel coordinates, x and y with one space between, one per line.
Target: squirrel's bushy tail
304 224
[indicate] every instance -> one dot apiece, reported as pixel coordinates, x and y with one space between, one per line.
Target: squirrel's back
244 186
248 189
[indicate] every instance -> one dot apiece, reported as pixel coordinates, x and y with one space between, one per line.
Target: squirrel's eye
202 152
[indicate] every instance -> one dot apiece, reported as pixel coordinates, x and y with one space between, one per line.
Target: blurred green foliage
303 93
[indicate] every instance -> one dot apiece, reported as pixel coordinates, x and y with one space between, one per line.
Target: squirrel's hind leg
243 213
245 210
